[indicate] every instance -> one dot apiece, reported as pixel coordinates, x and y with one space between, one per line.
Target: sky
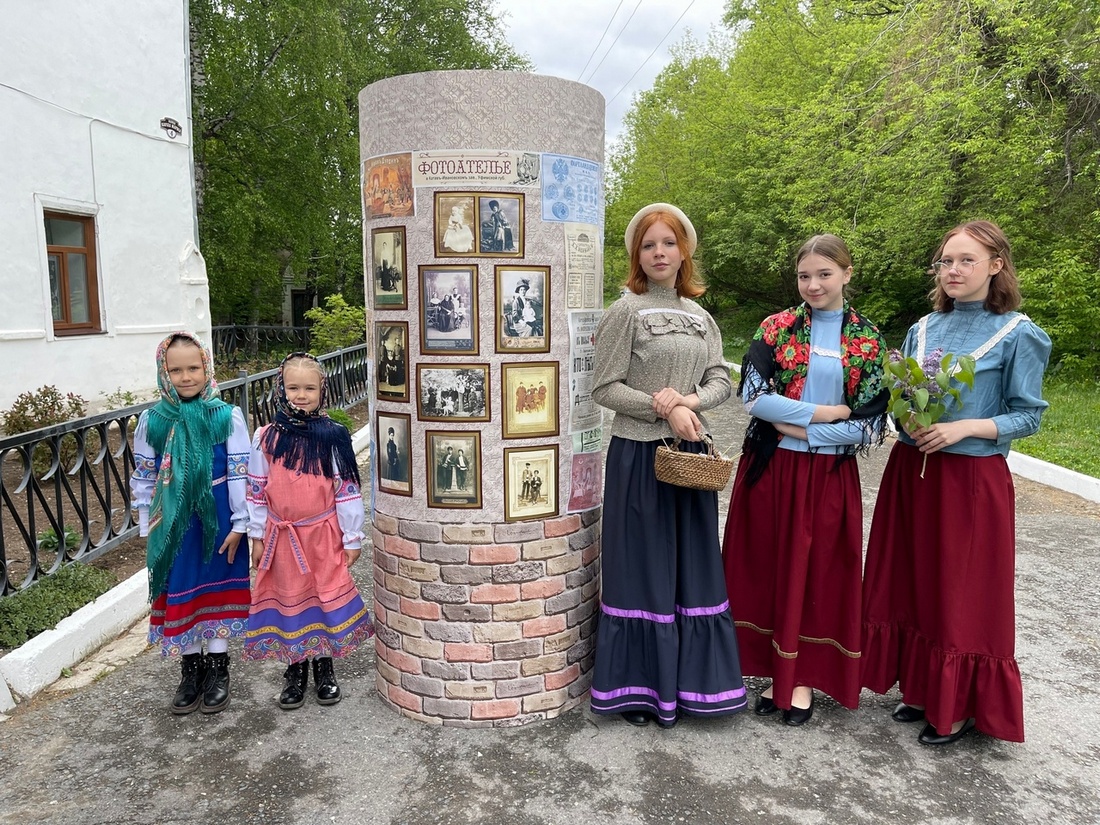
563 39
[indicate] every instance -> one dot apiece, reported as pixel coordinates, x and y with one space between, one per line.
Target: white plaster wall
83 87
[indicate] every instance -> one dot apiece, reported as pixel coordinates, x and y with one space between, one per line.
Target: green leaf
899 407
920 398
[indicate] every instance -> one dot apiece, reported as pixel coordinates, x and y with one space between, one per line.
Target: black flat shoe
765 706
907 713
928 736
636 717
799 716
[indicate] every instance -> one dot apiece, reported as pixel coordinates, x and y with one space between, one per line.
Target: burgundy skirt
793 561
939 614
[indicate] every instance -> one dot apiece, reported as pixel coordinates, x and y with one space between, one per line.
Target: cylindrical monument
483 215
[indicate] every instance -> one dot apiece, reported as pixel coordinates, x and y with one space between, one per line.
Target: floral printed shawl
779 357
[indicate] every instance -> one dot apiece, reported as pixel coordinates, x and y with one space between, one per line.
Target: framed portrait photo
530 482
455 224
522 308
529 399
448 310
387 249
394 453
454 469
500 225
391 348
449 391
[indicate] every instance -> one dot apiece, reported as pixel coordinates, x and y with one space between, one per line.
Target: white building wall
83 88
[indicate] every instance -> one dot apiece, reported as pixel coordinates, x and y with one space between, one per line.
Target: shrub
44 408
336 326
341 417
41 606
47 539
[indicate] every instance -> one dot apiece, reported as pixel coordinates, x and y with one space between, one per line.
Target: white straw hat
689 230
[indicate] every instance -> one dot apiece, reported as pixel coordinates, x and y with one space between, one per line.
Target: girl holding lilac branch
938 611
812 381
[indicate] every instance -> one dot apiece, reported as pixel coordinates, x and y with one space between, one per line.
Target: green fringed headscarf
183 434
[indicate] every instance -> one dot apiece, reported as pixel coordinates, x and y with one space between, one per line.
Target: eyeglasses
963 267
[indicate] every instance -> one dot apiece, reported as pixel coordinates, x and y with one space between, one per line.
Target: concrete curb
1052 475
36 664
360 439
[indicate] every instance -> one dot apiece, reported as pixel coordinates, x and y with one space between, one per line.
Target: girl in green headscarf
189 482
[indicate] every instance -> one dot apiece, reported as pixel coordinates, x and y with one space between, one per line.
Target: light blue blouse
1008 380
824 385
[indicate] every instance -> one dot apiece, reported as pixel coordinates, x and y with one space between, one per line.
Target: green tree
887 123
275 108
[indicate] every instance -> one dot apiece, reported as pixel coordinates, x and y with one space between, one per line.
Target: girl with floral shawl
188 485
792 550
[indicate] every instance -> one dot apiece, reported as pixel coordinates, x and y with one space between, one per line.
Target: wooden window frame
65 326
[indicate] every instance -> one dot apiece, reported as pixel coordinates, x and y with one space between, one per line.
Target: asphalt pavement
110 752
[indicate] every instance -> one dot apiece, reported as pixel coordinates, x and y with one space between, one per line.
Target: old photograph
522 308
392 351
454 469
530 482
388 261
394 453
448 310
446 391
529 399
500 218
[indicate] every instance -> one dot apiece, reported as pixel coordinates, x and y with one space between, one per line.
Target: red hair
688 282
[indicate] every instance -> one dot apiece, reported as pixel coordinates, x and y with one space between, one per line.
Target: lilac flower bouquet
918 397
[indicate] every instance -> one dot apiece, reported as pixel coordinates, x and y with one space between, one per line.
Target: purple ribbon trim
662 618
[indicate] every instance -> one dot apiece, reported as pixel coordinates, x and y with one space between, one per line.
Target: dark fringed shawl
778 360
309 441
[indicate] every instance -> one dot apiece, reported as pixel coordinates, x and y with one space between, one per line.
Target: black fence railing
233 344
65 489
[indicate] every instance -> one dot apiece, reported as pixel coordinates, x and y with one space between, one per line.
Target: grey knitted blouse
645 343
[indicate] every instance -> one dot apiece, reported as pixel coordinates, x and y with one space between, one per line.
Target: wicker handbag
700 471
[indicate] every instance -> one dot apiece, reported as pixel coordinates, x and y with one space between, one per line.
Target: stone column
483 617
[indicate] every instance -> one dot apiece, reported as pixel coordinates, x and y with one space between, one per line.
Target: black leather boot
189 694
294 694
324 680
215 688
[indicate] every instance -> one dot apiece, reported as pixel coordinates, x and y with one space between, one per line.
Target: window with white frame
74 288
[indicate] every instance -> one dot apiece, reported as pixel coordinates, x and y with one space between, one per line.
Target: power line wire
613 42
607 28
663 39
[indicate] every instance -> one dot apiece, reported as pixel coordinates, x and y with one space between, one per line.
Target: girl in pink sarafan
306 525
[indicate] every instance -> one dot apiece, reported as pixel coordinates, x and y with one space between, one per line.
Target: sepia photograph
455 222
500 218
522 308
530 482
388 259
585 482
448 310
392 351
454 469
529 399
394 453
446 391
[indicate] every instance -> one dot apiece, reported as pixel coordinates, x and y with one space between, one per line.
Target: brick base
485 625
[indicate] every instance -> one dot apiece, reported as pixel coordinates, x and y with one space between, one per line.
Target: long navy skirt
666 642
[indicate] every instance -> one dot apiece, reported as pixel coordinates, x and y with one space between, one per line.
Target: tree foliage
275 87
886 122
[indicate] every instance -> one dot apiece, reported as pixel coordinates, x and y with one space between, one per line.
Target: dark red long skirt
939 614
793 561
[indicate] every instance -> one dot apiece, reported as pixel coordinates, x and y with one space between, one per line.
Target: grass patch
45 603
1067 436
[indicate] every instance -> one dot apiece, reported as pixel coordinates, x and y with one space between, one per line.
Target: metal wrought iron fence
233 344
65 492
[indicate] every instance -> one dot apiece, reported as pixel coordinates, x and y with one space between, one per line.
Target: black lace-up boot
189 694
294 694
324 680
215 688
